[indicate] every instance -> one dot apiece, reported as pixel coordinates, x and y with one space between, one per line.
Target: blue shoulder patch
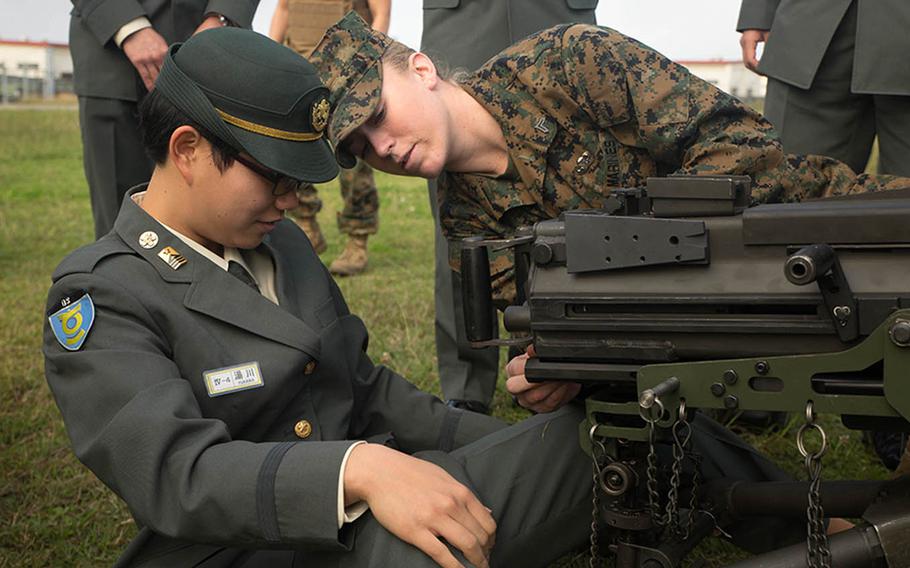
72 322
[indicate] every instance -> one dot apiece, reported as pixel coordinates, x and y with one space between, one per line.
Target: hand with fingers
420 503
146 50
541 397
749 41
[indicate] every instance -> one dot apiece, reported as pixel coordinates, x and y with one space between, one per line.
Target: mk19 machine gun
679 297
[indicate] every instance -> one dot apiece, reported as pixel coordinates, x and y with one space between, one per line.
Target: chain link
596 447
682 435
658 518
818 554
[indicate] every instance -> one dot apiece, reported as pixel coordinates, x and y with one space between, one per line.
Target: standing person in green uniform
464 34
837 76
118 48
299 24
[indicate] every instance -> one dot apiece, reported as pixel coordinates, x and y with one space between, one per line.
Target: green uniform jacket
466 32
586 109
100 68
802 29
226 470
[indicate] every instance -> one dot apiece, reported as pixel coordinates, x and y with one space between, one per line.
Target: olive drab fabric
803 30
109 87
586 109
837 77
308 20
209 469
100 69
465 33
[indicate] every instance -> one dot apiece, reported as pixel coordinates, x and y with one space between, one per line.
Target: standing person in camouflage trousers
550 124
299 24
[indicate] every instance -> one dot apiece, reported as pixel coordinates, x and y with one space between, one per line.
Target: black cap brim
312 162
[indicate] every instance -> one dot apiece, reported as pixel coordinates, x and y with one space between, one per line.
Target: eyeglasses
281 184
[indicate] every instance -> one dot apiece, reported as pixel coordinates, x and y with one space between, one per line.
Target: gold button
303 429
309 368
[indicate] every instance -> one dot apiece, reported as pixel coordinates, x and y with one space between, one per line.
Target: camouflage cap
348 60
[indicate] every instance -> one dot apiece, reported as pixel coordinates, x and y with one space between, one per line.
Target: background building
729 76
34 69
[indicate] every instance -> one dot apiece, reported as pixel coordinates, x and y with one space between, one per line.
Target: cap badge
148 239
173 258
320 115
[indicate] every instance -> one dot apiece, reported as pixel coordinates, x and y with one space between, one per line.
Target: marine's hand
539 397
146 49
420 503
749 40
210 21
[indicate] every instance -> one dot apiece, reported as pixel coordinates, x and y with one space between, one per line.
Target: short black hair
159 118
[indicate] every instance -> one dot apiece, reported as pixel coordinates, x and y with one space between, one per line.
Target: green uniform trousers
113 156
831 120
537 481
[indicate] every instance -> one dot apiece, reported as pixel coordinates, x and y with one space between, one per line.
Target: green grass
53 512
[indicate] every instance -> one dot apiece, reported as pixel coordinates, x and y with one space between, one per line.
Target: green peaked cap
257 96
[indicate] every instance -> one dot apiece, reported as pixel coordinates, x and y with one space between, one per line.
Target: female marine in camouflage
550 124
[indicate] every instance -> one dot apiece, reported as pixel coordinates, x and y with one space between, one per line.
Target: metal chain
682 436
657 517
818 554
675 474
693 496
595 498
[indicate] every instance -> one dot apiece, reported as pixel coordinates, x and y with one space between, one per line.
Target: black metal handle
476 290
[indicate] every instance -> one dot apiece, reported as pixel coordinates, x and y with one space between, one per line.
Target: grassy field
53 512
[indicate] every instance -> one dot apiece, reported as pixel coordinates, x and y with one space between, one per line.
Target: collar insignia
148 239
173 258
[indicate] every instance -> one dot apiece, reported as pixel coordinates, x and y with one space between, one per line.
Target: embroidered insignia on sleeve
173 258
72 322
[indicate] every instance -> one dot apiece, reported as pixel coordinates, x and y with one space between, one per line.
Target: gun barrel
808 263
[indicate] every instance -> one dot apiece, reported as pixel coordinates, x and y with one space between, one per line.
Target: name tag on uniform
235 378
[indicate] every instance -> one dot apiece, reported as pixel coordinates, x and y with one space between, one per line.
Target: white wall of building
30 69
40 54
729 76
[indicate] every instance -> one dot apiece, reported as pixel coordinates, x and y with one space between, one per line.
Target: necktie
237 270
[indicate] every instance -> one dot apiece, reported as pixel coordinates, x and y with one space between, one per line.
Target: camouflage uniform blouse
585 109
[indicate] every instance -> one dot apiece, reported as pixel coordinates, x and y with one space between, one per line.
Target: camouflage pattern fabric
348 61
308 20
360 215
586 109
358 188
